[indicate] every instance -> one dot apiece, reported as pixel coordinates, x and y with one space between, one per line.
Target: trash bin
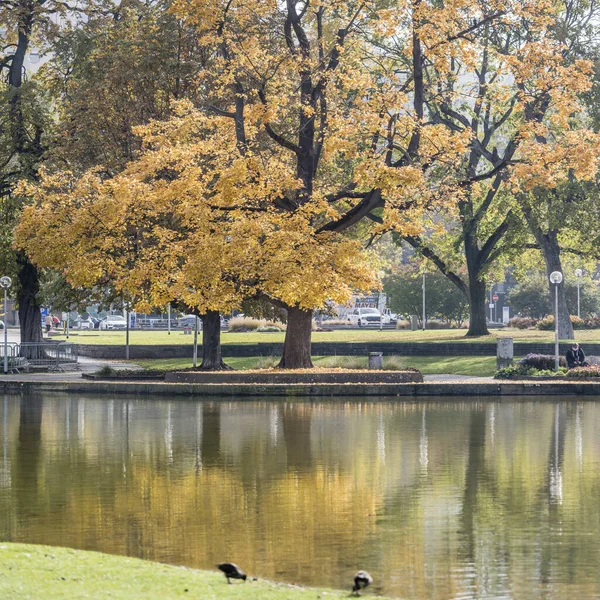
376 360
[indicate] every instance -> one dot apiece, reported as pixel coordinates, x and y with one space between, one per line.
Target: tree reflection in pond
437 499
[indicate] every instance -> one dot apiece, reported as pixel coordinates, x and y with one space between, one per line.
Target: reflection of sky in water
436 499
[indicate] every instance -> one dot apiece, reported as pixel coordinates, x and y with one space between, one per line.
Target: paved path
461 378
87 365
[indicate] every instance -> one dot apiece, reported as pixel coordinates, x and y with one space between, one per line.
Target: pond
436 499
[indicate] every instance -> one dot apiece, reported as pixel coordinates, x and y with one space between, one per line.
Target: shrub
541 362
438 325
584 372
243 324
551 372
547 323
334 323
269 329
577 322
522 322
591 323
403 324
520 370
344 362
514 372
105 371
267 362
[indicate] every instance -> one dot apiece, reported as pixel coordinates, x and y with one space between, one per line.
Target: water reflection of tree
210 444
476 475
303 492
297 418
28 457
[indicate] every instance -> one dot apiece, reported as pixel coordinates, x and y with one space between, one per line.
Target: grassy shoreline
29 571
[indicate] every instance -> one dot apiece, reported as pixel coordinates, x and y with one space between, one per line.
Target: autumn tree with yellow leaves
281 156
509 80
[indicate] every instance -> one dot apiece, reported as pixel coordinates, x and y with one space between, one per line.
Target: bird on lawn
231 571
361 580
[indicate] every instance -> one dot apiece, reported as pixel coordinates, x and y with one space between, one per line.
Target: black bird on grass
361 580
231 571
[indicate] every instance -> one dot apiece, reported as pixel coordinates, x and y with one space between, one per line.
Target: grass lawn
479 366
343 335
37 572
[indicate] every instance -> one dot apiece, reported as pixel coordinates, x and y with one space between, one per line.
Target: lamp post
556 278
126 332
5 282
423 321
578 273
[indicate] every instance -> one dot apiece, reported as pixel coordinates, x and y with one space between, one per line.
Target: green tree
23 138
405 291
119 69
530 297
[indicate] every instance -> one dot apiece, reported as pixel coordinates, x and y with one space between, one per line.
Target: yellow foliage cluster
190 222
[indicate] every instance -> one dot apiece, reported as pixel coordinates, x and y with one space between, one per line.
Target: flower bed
542 362
584 372
523 371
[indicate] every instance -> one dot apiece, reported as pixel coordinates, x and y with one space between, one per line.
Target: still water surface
438 500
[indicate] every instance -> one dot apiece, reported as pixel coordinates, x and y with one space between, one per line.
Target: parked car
86 323
113 322
389 318
188 321
1 325
365 317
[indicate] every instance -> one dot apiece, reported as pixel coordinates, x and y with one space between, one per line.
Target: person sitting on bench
575 357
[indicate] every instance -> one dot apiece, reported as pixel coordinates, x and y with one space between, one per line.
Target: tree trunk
550 247
477 308
211 343
296 346
551 250
30 318
477 299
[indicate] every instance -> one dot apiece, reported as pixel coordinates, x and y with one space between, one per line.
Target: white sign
491 305
505 314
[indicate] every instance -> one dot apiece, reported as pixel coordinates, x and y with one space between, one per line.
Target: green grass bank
476 366
342 335
35 572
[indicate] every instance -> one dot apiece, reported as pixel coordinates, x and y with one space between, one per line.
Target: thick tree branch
496 236
370 202
417 243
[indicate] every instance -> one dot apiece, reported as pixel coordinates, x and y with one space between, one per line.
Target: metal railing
14 362
57 356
